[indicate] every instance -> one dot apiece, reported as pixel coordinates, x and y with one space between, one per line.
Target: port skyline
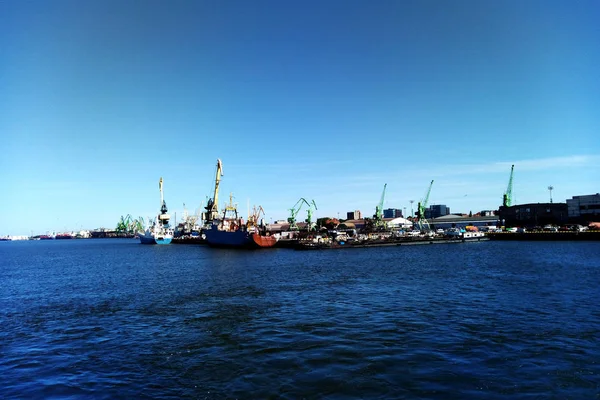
284 214
323 101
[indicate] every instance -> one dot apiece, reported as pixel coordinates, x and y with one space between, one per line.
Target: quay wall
588 235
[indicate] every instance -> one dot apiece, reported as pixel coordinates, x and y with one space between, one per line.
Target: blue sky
325 100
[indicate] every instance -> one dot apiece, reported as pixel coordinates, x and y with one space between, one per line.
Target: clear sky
325 100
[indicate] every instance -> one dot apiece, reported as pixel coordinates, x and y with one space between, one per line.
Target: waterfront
113 319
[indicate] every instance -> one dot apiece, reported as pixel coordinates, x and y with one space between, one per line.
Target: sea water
114 319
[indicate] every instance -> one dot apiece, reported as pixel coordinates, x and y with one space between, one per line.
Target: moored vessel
231 231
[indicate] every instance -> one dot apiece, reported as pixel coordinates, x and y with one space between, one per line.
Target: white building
399 223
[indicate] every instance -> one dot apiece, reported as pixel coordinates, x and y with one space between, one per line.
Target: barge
404 241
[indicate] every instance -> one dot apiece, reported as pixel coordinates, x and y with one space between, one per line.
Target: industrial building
436 211
450 221
534 214
392 213
584 209
354 214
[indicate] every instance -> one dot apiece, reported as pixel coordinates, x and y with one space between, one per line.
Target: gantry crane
507 198
378 217
294 212
421 220
212 205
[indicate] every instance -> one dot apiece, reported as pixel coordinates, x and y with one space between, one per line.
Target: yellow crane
212 205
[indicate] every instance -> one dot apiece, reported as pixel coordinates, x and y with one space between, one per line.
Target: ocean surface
114 319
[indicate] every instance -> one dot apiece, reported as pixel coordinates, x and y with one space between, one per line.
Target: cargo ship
231 231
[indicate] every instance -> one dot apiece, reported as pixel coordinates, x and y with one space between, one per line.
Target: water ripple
114 319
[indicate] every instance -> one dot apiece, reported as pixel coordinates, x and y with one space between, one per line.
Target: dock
545 236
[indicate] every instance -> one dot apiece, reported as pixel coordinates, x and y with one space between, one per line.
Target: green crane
378 217
421 220
123 226
311 226
294 212
507 198
137 225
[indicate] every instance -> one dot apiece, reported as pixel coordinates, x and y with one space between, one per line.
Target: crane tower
379 209
212 206
507 198
294 212
422 221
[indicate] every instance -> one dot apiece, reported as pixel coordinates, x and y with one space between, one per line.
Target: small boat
159 232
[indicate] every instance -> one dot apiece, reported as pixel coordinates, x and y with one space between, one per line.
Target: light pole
411 208
550 188
404 213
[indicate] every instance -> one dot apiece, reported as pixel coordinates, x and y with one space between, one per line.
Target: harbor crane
189 222
212 205
311 226
421 220
255 219
507 198
294 212
378 217
163 218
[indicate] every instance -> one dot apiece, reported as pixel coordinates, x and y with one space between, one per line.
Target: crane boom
507 198
422 221
160 185
212 206
294 211
426 201
378 217
379 208
310 224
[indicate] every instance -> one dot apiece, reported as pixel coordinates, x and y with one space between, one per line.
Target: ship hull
239 239
219 238
149 238
265 241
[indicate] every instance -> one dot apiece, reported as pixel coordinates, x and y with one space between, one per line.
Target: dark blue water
104 318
